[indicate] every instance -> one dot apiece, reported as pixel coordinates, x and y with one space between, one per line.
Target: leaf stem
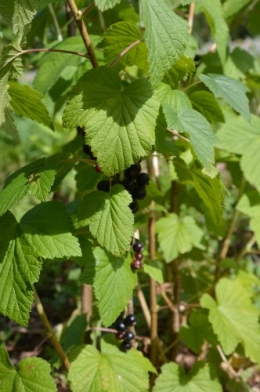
124 52
83 31
56 24
49 329
176 133
144 306
191 16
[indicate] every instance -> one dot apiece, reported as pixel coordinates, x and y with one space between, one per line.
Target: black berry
125 345
134 206
120 335
86 149
139 193
129 185
136 264
130 320
104 186
128 335
138 247
139 256
120 326
133 171
142 179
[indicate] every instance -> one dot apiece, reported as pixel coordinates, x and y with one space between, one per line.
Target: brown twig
144 306
50 332
191 16
83 31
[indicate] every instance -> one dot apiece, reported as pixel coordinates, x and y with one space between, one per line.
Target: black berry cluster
135 183
138 249
123 333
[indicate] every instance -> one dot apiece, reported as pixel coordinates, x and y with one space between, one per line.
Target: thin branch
56 24
246 249
124 52
144 306
87 9
176 133
83 31
191 16
101 21
50 332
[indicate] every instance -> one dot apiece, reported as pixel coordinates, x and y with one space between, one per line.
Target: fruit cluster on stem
123 333
137 261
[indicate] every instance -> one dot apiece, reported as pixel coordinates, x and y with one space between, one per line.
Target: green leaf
18 13
117 38
103 5
205 103
120 122
35 178
253 212
232 316
28 103
241 137
174 379
48 230
198 330
44 231
231 7
214 13
209 189
177 235
32 374
201 135
183 68
166 37
113 284
110 219
57 62
110 370
233 91
175 98
154 271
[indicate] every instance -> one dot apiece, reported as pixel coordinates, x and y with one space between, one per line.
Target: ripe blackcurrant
139 193
130 320
138 246
128 335
133 171
129 185
139 256
134 206
136 264
104 186
86 149
125 345
142 179
120 326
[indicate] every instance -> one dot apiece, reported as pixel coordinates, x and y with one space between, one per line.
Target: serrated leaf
117 38
177 236
35 178
200 132
183 68
110 218
241 137
231 7
47 228
166 37
113 284
152 269
32 374
232 315
57 62
19 13
174 379
198 330
233 91
103 5
28 103
110 370
175 98
44 231
205 103
120 122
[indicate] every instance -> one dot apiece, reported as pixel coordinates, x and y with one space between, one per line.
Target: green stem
50 332
56 24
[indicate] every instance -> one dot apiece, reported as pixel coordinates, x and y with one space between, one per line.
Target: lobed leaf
205 103
119 121
103 5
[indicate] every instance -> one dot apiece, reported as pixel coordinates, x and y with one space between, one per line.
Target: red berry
139 256
136 264
119 335
98 169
